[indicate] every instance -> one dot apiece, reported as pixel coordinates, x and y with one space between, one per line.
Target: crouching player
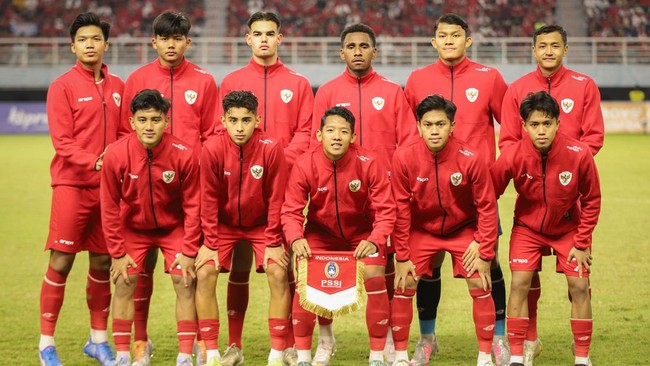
351 208
557 206
446 202
150 198
243 173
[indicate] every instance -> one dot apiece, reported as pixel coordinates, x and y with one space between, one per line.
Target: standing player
350 208
243 173
477 91
558 203
581 117
192 93
460 219
285 105
384 120
150 199
83 110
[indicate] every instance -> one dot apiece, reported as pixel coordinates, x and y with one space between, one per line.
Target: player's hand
301 248
100 161
582 258
402 270
483 269
470 255
364 249
120 267
205 255
186 265
279 256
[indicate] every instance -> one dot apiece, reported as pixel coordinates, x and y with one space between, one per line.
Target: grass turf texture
620 282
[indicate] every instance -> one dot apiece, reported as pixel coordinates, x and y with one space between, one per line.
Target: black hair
550 29
540 101
171 23
86 19
436 102
264 16
451 18
240 99
149 99
341 112
359 28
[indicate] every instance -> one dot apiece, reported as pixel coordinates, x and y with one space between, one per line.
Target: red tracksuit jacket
383 117
557 193
476 90
83 118
242 186
579 99
285 102
442 193
192 92
347 198
155 189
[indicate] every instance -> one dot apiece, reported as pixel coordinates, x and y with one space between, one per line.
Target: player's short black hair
451 18
264 16
359 28
341 112
149 99
86 19
436 102
240 99
540 101
550 29
170 23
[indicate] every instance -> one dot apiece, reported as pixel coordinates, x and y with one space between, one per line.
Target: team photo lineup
345 197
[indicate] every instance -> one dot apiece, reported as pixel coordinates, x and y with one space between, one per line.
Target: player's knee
579 289
520 284
61 262
206 280
373 271
99 262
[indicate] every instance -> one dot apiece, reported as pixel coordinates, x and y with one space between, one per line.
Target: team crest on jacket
332 269
471 94
117 98
567 105
257 171
190 96
286 95
456 178
378 103
565 177
168 176
355 185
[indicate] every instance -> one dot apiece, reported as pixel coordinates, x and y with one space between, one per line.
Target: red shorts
527 248
319 241
170 243
424 247
230 236
75 221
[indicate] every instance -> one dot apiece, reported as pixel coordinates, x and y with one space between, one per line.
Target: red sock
186 332
237 303
377 314
303 325
141 301
122 334
290 341
516 334
278 330
52 292
534 294
401 317
209 331
582 330
484 318
98 297
390 279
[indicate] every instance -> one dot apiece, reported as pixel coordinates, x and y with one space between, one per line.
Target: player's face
89 45
541 130
149 125
451 42
549 51
171 49
240 124
336 136
435 128
264 37
358 52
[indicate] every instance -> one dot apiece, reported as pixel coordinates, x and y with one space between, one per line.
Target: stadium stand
618 18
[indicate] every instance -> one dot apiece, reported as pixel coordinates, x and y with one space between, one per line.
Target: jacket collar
445 69
178 70
270 69
348 76
443 154
559 141
90 74
156 150
343 162
248 148
555 77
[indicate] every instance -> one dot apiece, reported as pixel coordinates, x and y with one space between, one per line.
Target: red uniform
476 90
152 197
579 99
285 103
191 91
242 189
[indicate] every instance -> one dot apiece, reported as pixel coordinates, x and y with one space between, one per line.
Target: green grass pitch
621 288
